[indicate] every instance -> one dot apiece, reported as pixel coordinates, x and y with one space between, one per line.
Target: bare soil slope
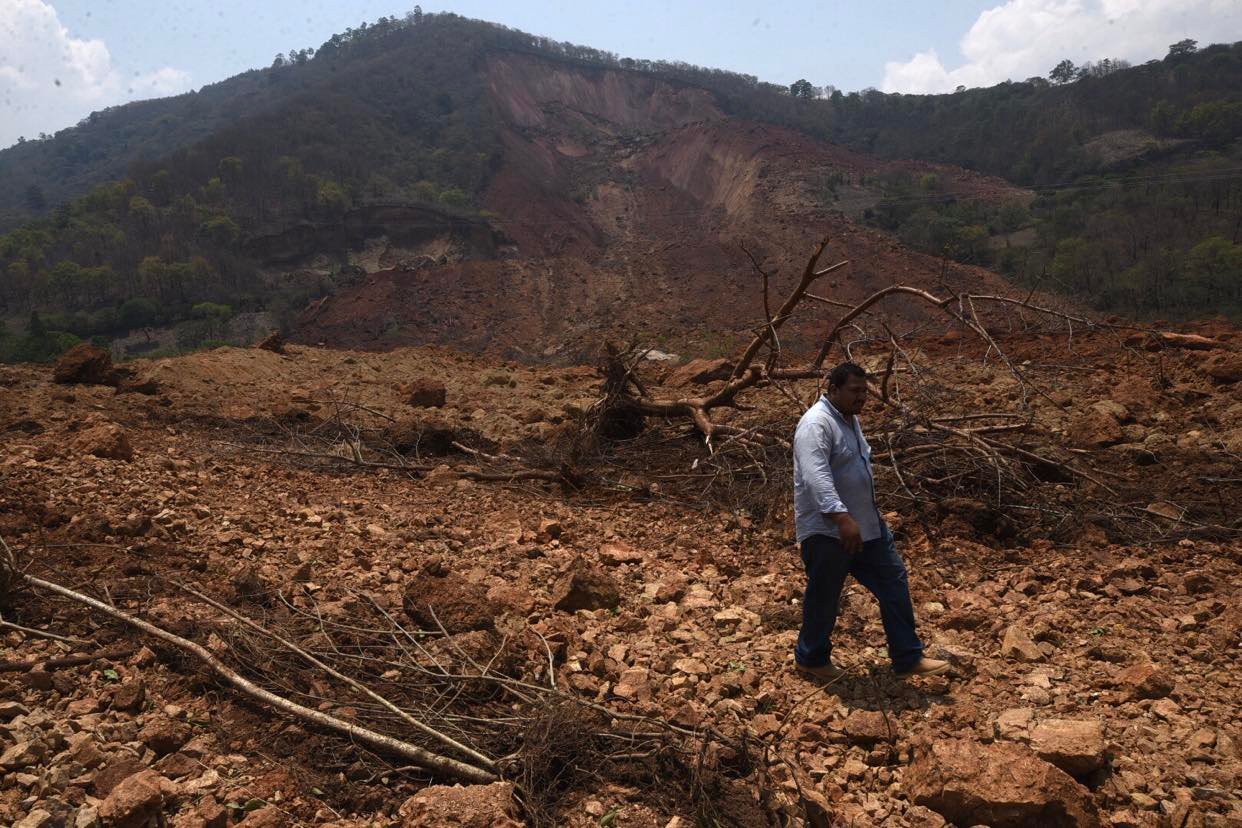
626 200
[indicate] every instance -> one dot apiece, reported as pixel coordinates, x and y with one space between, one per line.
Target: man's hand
851 535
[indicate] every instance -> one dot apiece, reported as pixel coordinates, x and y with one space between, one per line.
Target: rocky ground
1094 683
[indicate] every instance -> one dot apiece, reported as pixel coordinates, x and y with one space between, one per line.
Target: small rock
24 754
164 735
1165 708
1019 645
1095 429
38 818
1198 582
88 817
550 530
114 773
273 342
138 799
616 553
691 666
700 372
1145 681
583 587
867 727
1075 746
1014 723
1225 368
268 817
208 814
177 765
83 707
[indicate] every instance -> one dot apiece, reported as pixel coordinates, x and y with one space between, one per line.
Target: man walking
841 532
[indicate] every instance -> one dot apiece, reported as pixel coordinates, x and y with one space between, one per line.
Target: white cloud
50 80
1023 38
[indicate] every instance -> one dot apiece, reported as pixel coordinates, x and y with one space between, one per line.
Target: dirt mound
437 597
422 392
476 806
582 587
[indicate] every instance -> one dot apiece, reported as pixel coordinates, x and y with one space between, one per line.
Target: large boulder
439 597
584 587
700 372
1002 785
84 364
1075 746
468 806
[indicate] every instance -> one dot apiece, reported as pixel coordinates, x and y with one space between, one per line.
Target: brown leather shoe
825 672
927 667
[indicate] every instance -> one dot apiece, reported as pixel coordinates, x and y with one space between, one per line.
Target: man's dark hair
842 373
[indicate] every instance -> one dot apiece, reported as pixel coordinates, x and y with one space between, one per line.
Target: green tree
66 280
802 88
1182 48
139 312
1214 270
220 230
1063 72
332 197
35 198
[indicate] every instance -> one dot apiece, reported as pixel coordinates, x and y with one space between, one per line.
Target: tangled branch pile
987 460
942 450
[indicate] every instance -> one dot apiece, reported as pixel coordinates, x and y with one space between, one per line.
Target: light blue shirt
832 473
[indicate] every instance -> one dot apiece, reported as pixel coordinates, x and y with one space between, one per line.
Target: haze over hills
440 179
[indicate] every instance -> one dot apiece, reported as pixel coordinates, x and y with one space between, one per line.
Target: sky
62 59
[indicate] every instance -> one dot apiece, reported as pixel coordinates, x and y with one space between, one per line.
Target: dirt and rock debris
1095 672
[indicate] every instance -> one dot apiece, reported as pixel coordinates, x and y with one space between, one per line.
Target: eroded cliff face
623 201
537 93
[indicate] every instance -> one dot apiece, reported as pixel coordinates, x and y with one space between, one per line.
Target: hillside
445 180
443 184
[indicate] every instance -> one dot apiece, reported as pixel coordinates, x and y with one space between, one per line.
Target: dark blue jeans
879 568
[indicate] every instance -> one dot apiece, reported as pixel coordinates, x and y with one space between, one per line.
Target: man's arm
814 450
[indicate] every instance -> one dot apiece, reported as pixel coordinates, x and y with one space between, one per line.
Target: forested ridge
143 213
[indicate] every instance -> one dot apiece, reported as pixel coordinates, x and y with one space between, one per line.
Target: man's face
851 397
